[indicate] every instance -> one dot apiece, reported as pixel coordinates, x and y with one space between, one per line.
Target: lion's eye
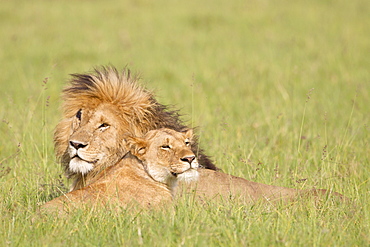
166 147
79 114
104 126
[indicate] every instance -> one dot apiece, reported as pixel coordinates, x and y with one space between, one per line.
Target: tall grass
239 70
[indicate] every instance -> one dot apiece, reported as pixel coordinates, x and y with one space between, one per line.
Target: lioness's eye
187 142
166 147
104 126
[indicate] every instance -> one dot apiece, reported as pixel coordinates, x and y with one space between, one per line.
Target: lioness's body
216 185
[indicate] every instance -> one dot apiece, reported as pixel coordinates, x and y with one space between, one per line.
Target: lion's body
123 184
147 178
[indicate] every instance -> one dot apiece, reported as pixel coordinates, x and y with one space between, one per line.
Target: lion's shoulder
124 185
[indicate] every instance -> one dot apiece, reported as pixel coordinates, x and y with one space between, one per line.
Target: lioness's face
95 139
167 155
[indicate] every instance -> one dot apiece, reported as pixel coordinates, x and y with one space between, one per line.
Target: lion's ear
136 145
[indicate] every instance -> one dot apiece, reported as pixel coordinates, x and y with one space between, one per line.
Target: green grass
280 91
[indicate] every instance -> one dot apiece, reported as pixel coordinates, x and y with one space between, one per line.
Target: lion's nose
188 159
77 144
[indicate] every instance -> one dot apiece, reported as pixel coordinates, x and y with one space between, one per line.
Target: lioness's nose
77 144
188 159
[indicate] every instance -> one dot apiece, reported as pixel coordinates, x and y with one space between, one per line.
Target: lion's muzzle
81 162
77 145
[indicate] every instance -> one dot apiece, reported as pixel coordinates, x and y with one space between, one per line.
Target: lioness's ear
189 134
136 145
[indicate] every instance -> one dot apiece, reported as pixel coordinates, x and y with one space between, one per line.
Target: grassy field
280 92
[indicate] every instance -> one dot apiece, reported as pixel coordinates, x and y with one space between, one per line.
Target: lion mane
135 107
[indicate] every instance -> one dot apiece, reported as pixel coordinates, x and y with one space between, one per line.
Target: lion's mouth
80 158
79 165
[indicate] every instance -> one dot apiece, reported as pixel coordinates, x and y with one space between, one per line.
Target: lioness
102 107
147 175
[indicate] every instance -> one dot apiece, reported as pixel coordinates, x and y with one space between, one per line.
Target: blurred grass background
279 90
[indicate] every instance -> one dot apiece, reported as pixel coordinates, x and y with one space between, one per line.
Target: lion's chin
188 176
78 165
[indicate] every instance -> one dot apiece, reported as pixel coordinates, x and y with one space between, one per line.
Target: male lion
147 175
102 107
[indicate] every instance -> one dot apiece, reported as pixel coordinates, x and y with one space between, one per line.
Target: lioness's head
166 155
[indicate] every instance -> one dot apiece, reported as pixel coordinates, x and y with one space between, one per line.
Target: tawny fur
215 185
146 176
135 109
107 96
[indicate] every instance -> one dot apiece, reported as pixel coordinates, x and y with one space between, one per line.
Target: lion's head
166 155
99 108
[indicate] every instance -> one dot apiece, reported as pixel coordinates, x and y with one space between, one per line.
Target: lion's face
166 155
95 139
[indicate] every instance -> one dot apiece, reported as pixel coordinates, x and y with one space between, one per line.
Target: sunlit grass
242 71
